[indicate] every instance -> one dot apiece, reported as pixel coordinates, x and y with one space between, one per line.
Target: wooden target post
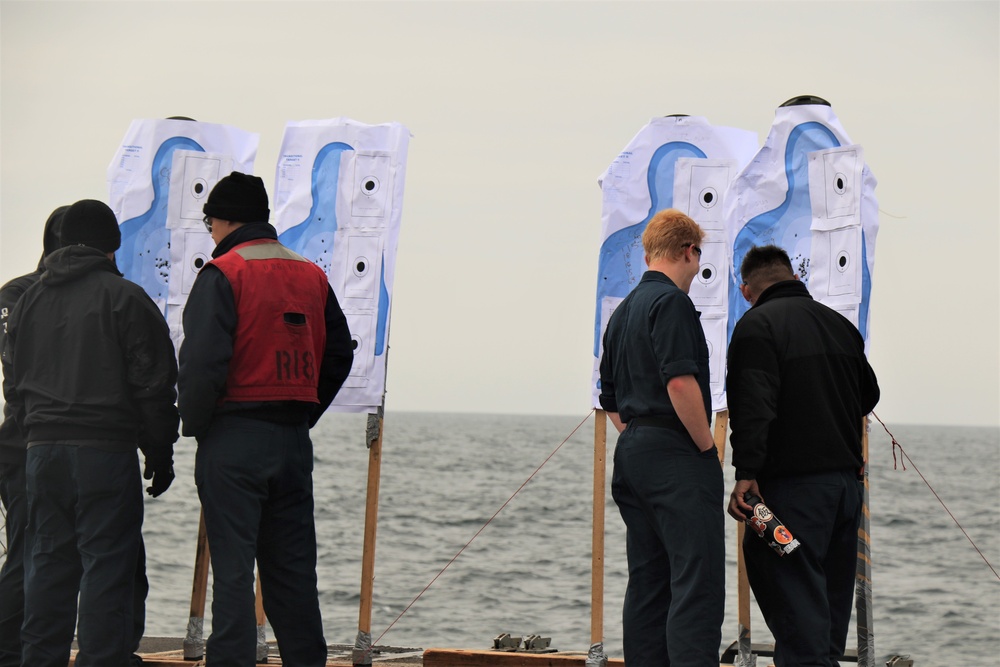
744 655
863 576
194 640
596 657
362 653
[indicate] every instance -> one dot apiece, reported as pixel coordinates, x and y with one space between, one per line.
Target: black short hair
766 263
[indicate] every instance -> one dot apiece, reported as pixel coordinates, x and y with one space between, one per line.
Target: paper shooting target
361 278
193 250
708 289
372 186
707 181
841 176
842 248
362 327
715 337
200 173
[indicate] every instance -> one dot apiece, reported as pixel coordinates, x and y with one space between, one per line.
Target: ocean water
529 571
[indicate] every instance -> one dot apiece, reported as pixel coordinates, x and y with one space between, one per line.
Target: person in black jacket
12 456
93 373
266 348
798 387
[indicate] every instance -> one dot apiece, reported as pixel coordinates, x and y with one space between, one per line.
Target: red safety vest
280 333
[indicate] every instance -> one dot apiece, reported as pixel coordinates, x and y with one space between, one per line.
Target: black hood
69 263
50 239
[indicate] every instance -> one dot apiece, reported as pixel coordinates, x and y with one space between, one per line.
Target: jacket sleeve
338 356
870 392
151 370
753 384
209 325
10 430
11 433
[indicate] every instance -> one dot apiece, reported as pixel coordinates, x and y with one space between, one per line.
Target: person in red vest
266 349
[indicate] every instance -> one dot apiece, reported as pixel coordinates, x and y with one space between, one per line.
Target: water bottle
768 527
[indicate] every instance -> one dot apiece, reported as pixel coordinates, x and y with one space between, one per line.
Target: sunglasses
208 224
686 245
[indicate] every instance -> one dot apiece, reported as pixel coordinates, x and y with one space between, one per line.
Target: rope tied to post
903 457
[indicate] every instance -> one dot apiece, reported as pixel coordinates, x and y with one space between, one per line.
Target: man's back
798 359
88 343
652 336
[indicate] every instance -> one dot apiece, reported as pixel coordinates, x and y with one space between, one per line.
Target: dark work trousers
805 597
671 498
84 524
15 502
255 483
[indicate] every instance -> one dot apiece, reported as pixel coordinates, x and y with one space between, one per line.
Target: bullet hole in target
198 261
840 184
369 185
707 274
709 197
199 188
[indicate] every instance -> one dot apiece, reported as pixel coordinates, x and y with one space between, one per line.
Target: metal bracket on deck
537 643
532 643
504 642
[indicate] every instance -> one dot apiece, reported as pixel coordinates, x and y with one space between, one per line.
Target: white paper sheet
808 191
673 162
338 202
145 193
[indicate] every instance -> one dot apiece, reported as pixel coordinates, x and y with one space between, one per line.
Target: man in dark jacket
799 385
266 348
93 374
12 456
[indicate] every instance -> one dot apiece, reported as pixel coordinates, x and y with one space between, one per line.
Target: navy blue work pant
14 496
255 483
84 537
805 597
15 502
670 496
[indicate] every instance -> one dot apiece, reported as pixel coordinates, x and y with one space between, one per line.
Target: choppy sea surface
529 571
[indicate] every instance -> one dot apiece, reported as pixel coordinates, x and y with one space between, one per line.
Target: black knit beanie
238 198
91 223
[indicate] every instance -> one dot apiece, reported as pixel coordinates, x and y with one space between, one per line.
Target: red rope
903 455
495 514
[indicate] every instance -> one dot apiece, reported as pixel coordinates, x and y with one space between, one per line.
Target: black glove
159 468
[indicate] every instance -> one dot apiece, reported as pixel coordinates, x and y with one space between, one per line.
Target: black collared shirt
653 336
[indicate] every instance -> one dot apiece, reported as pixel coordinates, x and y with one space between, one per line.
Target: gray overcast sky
516 108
